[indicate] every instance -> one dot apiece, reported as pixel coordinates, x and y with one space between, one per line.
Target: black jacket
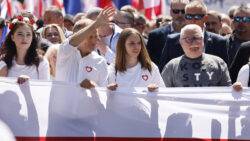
156 42
241 58
214 44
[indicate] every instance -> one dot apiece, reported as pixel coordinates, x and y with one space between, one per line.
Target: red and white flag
151 8
6 8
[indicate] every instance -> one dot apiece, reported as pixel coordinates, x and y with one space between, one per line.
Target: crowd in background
193 46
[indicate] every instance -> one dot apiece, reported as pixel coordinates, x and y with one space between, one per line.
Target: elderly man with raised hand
195 13
195 68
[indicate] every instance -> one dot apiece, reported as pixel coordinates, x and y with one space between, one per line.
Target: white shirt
136 77
41 72
243 75
111 41
72 67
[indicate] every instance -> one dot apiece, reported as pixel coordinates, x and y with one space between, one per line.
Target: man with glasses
195 68
195 13
157 38
241 33
124 19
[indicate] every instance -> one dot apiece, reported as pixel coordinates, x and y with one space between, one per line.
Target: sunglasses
194 16
241 19
190 40
177 11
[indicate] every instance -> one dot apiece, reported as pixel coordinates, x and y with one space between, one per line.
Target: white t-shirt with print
71 67
41 72
135 77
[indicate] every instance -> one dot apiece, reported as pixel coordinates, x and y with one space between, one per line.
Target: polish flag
34 6
6 8
152 8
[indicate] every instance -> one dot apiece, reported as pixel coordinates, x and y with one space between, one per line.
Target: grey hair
191 27
93 13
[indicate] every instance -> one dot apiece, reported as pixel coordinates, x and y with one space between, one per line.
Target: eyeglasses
120 23
177 11
194 16
190 40
242 19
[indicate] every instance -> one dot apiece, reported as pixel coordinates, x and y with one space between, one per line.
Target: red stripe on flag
157 10
57 3
115 139
9 8
104 3
148 13
138 4
40 8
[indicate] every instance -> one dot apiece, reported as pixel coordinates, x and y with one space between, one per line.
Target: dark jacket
214 44
241 58
156 42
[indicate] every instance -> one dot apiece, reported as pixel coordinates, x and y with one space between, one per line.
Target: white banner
56 109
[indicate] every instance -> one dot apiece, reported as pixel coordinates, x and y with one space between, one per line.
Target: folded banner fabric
40 110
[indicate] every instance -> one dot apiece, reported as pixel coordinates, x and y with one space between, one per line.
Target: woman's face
52 34
22 37
133 46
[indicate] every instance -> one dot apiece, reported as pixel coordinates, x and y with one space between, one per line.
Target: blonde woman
53 33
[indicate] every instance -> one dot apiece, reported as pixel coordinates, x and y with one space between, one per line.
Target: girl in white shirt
20 56
133 67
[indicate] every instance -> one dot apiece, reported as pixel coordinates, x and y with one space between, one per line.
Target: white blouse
41 72
135 77
71 67
243 75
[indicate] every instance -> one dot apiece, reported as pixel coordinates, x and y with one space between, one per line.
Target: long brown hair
10 51
120 60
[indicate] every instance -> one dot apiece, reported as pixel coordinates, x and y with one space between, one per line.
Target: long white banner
56 109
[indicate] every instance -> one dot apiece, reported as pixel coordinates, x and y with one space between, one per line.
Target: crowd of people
192 47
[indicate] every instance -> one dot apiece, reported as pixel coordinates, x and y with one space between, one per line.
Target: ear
205 18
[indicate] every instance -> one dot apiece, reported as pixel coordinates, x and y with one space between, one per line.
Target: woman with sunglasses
133 67
19 58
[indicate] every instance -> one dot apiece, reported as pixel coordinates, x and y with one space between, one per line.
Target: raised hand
104 17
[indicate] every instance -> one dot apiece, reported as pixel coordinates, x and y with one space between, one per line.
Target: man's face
177 12
213 24
89 44
192 43
121 21
241 23
195 15
52 18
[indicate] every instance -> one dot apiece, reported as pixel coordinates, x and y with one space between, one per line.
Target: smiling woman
20 56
